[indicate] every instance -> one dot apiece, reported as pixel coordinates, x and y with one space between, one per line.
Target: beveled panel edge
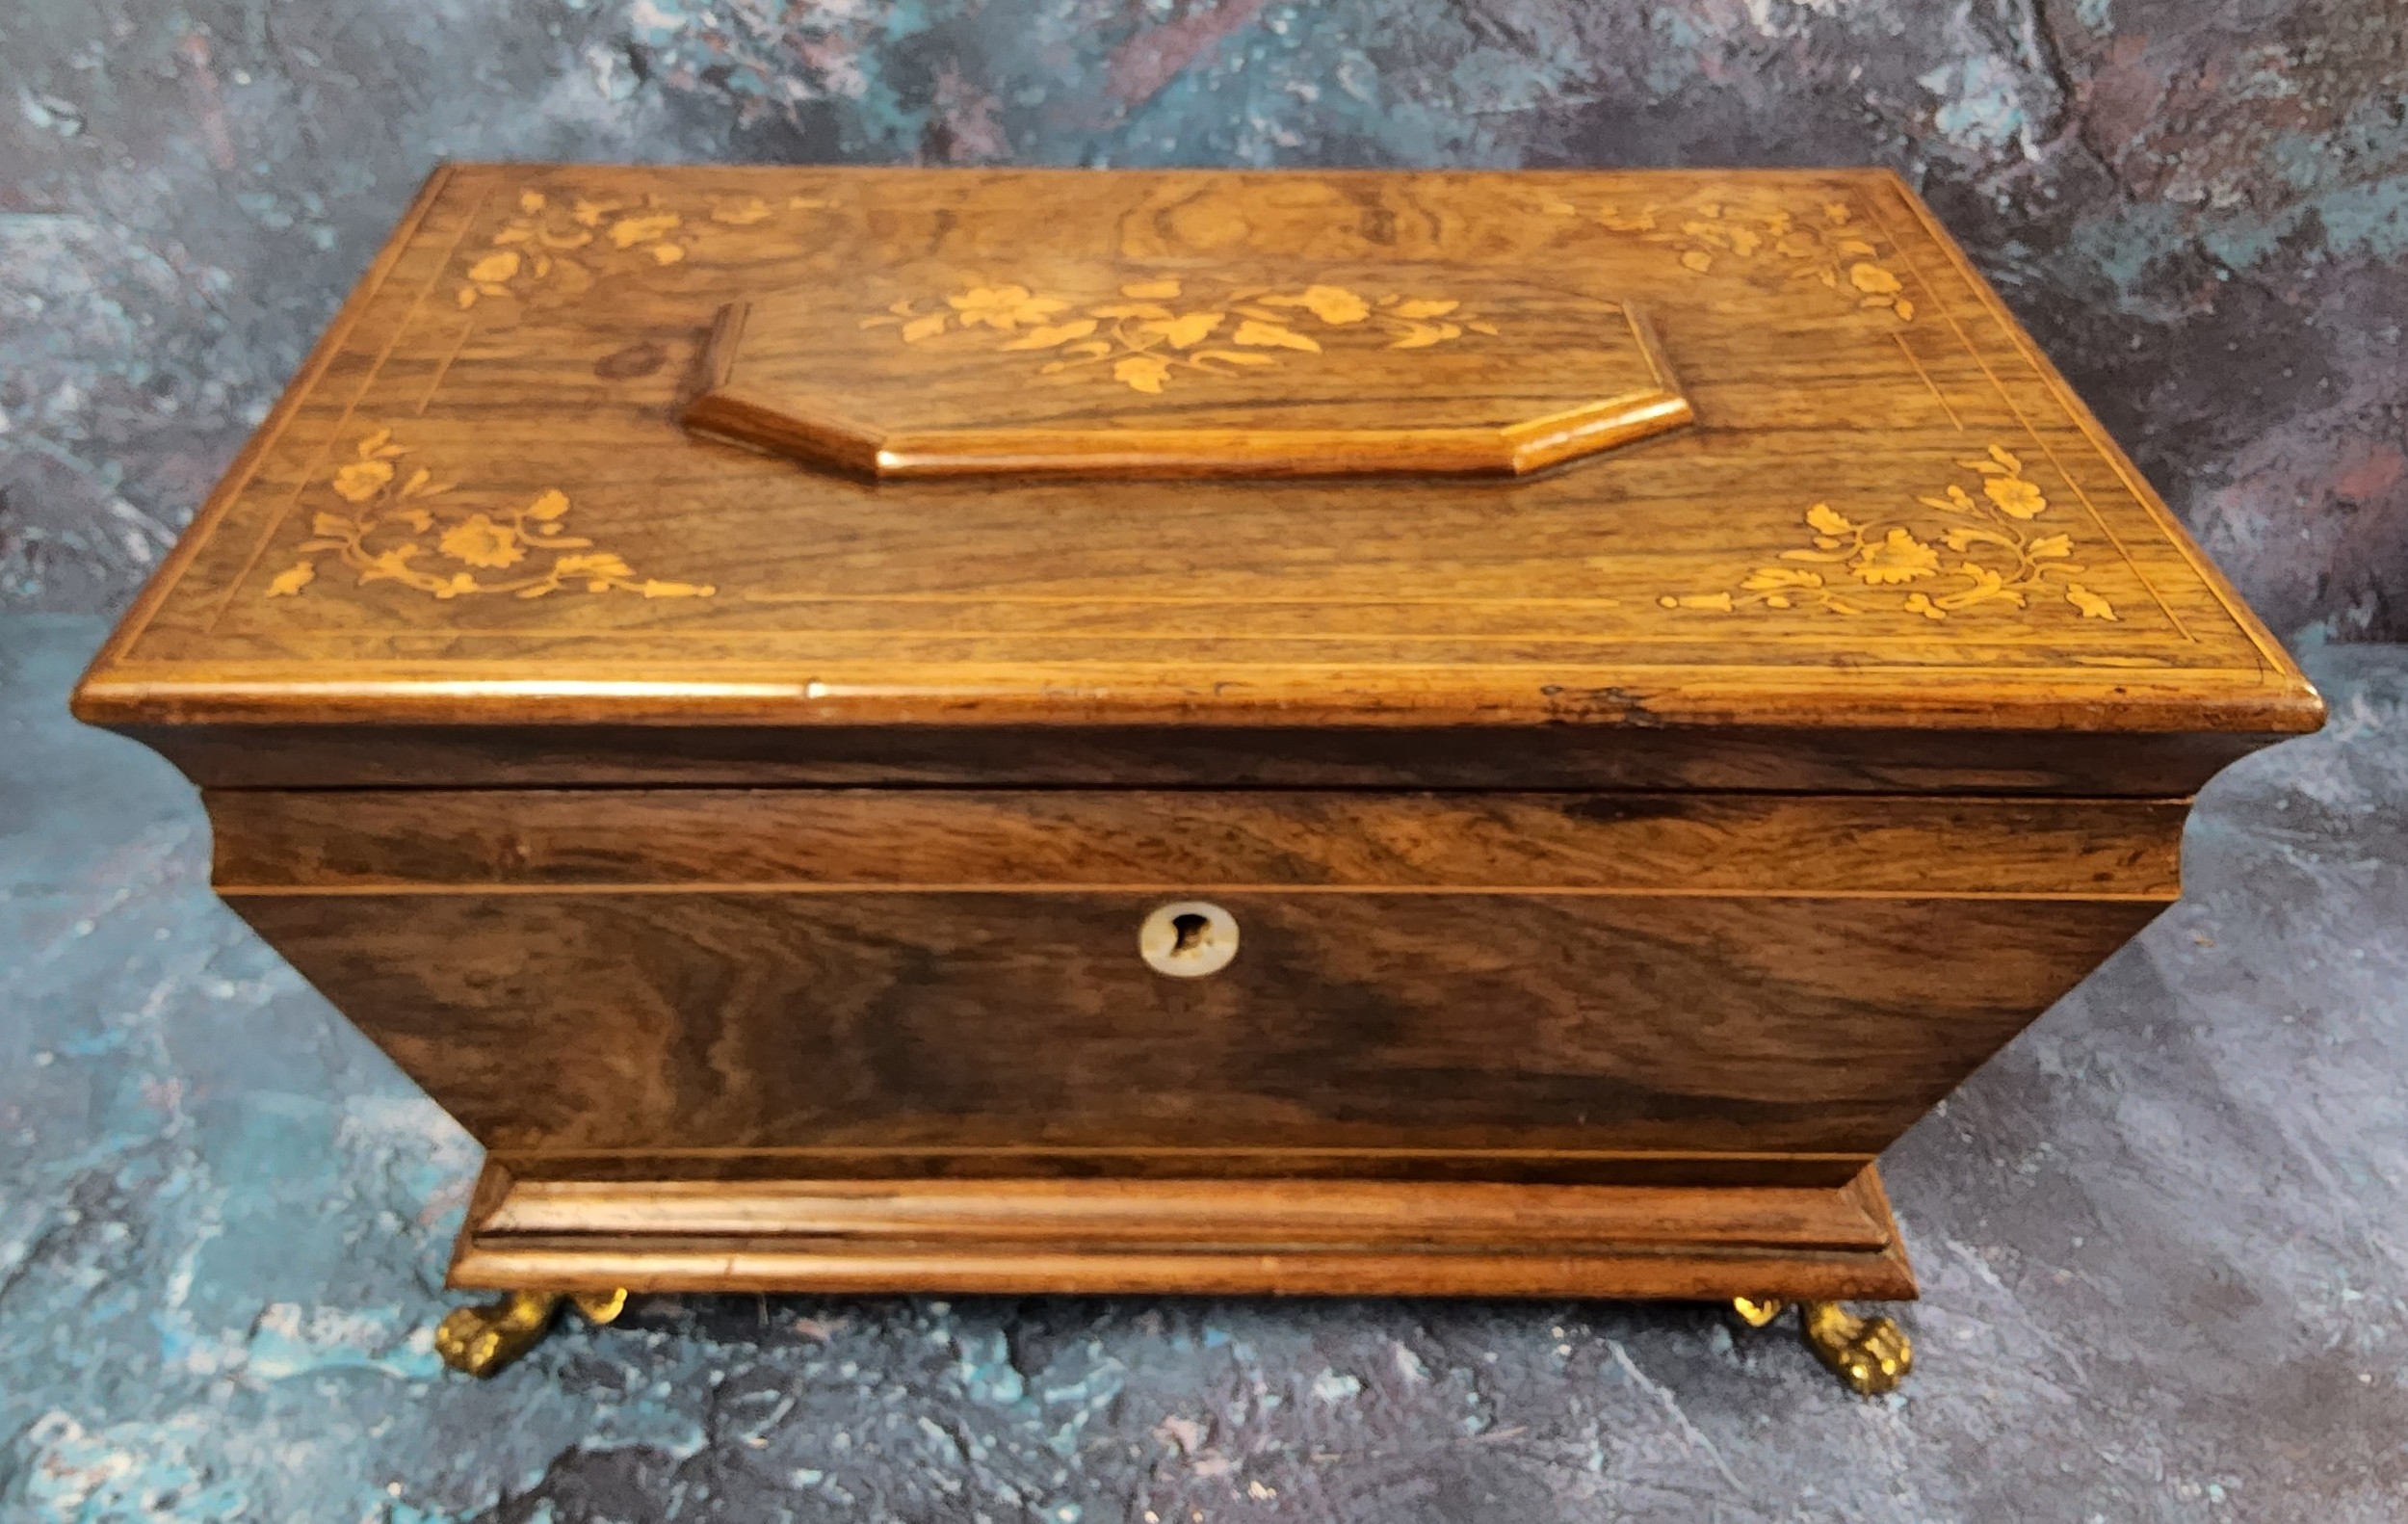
1400 1213
633 1263
810 432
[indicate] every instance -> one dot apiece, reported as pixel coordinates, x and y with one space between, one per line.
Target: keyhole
1188 938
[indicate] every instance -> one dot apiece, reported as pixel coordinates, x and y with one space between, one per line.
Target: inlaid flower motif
1145 373
1872 279
1274 335
480 541
1823 245
1184 332
648 228
1048 335
1154 331
2016 497
597 571
2092 606
1334 306
560 248
2014 564
495 267
1897 556
361 480
387 566
385 538
1004 307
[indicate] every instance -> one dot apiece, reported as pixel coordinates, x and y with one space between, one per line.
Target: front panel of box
1572 986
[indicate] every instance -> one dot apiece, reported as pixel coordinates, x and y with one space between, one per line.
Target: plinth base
1343 1238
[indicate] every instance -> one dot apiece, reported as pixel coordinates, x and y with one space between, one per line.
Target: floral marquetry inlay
558 246
1154 329
1973 552
394 526
1823 245
1686 506
1072 365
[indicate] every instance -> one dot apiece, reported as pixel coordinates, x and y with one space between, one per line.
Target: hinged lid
476 541
1098 367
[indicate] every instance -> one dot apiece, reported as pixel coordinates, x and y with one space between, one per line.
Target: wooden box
1344 732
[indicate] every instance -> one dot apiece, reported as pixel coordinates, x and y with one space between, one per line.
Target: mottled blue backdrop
2162 1237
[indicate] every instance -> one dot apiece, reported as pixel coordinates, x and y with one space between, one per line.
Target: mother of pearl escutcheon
1188 938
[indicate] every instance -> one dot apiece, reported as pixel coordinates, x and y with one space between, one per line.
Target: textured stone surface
2201 210
2163 1241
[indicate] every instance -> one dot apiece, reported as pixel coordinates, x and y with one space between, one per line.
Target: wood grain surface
1250 1214
1594 985
586 1019
1659 844
1131 371
1571 754
478 508
1287 1238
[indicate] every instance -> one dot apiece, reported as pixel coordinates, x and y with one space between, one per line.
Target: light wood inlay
1402 602
1258 375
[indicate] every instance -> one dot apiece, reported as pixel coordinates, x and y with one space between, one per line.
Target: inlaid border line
342 423
248 461
467 326
2274 659
1937 395
2029 432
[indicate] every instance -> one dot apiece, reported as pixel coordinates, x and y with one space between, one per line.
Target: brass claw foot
1870 1354
481 1340
1756 1312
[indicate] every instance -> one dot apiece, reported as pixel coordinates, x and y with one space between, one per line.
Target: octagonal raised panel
1058 366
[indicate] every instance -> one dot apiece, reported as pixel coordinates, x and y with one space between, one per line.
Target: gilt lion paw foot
481 1341
1870 1354
1873 1355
